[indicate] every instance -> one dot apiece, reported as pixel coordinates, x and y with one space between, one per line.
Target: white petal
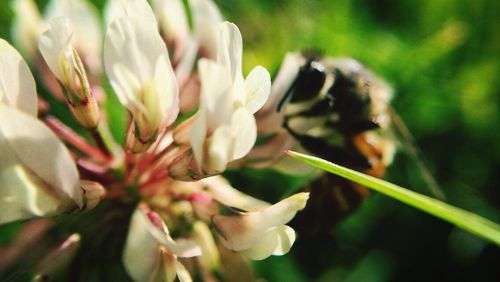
143 242
52 164
138 9
230 48
216 99
197 137
210 258
229 55
141 247
112 11
186 62
183 248
286 238
56 47
17 85
126 85
225 194
165 269
22 195
85 21
135 48
172 17
168 92
257 88
283 211
276 241
182 273
219 150
180 247
206 18
241 232
135 45
244 132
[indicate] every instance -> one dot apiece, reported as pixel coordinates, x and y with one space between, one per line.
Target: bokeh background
443 60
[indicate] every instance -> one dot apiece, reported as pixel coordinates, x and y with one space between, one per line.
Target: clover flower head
177 108
138 66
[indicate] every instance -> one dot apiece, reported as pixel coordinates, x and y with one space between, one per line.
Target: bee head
308 83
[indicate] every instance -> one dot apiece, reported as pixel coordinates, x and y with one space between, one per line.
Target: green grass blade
468 221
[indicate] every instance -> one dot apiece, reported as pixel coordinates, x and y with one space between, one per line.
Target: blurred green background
442 59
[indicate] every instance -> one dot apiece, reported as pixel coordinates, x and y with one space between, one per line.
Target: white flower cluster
160 68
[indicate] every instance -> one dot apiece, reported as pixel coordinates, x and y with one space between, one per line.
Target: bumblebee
338 110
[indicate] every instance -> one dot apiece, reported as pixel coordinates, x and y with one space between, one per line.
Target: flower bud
225 128
137 141
93 193
56 47
184 167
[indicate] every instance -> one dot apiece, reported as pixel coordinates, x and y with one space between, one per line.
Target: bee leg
329 152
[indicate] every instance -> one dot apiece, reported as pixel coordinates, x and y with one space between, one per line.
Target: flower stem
71 137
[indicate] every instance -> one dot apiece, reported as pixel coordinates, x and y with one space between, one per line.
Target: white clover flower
28 25
259 234
86 25
39 174
56 47
225 129
247 225
86 44
138 67
151 254
33 182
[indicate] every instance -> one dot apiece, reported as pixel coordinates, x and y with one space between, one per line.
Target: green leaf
468 221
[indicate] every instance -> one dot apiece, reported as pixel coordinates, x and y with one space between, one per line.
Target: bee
337 109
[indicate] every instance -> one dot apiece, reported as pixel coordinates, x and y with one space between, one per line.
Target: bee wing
408 145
